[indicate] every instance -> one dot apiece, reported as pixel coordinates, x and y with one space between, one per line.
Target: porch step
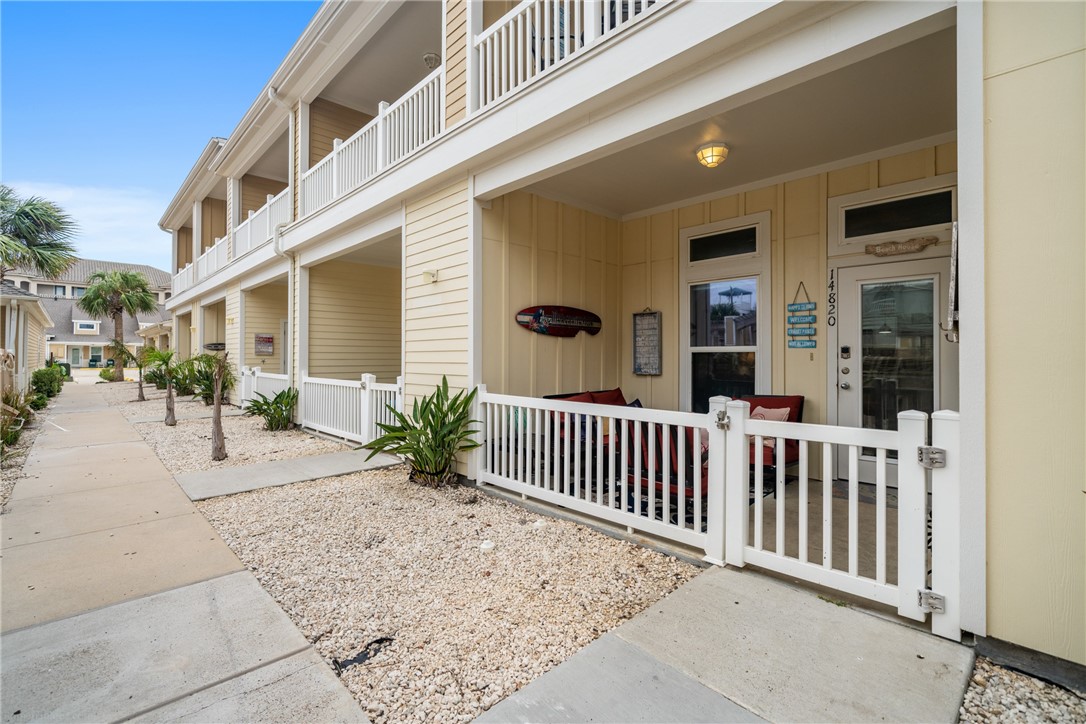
746 646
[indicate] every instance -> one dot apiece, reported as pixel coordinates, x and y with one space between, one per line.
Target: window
914 209
78 292
25 286
726 283
57 291
86 326
908 213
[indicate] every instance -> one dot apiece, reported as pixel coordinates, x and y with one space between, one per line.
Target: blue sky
105 106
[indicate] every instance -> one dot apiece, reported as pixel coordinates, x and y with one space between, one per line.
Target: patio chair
689 461
794 403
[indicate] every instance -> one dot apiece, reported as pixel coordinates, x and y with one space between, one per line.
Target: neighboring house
415 174
156 335
83 341
23 321
72 284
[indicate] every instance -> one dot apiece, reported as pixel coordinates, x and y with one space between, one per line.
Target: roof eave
200 172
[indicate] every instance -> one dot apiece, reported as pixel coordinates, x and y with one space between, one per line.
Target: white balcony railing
258 229
213 259
538 35
398 131
184 279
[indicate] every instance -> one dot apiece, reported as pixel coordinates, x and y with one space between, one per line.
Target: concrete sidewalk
739 646
121 601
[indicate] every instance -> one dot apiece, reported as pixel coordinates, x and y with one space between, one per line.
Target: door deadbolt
845 370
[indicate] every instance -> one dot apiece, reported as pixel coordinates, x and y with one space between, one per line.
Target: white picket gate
349 408
254 380
692 478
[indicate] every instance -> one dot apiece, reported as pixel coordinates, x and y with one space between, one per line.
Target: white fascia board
281 268
38 310
195 182
371 231
831 43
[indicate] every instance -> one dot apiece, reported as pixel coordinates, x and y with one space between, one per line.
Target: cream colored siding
354 321
213 222
1036 341
232 306
184 247
265 308
456 50
35 344
538 251
214 323
57 351
436 315
798 228
182 335
296 159
329 121
255 191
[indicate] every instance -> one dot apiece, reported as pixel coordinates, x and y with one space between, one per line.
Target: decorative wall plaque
264 345
647 343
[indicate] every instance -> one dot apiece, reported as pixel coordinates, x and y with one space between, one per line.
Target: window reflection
724 313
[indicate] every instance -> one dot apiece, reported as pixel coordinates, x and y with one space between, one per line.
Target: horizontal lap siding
354 321
329 121
264 308
456 47
436 315
35 344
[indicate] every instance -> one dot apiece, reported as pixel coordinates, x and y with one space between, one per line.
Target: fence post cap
912 415
953 415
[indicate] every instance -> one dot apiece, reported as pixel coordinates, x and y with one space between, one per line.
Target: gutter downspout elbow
273 96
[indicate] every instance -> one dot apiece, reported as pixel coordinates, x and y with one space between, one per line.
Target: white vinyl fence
254 380
703 480
348 408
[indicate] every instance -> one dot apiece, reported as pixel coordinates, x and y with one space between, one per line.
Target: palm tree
111 294
163 361
34 233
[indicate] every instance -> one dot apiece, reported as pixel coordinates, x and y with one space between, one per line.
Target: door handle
845 386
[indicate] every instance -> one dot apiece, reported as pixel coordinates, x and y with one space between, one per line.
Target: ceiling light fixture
712 154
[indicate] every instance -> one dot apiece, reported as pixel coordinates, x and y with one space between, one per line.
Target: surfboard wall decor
556 321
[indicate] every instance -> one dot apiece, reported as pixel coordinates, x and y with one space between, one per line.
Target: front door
891 355
75 356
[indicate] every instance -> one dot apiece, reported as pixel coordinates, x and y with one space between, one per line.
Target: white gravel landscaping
123 395
997 694
388 573
186 447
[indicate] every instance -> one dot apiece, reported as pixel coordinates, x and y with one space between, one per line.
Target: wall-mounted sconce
429 276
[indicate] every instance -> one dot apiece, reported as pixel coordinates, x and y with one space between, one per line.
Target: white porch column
173 253
474 27
197 233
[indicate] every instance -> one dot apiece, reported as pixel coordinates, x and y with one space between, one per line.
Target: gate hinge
722 420
931 457
931 601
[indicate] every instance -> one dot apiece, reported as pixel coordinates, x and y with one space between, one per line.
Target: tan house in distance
870 205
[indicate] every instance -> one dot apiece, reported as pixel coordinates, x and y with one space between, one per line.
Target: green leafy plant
14 414
47 381
438 428
278 412
154 376
106 374
34 233
38 401
203 377
184 377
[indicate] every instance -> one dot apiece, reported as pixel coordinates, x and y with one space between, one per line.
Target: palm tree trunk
141 398
218 441
171 419
118 333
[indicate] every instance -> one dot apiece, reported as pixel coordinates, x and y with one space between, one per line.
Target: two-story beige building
870 205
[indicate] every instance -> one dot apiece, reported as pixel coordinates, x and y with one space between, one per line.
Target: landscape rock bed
186 447
123 395
997 694
388 580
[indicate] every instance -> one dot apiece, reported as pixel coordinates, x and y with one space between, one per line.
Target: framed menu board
647 343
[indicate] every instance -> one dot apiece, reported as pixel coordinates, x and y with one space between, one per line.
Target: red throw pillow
581 397
609 397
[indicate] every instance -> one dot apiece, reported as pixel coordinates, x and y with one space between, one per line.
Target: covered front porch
813 263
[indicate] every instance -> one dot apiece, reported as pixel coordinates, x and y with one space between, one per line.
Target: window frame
754 265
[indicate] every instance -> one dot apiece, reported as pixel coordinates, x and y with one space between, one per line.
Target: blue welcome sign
799 324
801 307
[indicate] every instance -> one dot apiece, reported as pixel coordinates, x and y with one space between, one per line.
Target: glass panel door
723 340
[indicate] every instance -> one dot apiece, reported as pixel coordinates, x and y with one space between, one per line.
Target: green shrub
203 378
431 436
11 428
278 412
156 377
14 416
47 381
38 401
106 373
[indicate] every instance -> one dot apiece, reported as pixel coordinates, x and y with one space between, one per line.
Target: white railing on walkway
254 380
347 408
184 279
538 35
700 480
213 259
398 131
258 229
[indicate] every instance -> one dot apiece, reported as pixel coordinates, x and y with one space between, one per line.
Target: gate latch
931 457
722 420
931 601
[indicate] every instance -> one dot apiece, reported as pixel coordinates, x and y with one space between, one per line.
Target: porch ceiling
275 163
391 63
384 252
904 94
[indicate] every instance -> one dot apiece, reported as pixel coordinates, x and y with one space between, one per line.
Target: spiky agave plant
431 436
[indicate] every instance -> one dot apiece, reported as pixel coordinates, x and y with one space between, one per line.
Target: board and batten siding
456 61
265 308
354 321
255 191
436 314
184 248
538 251
329 121
1035 183
212 222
